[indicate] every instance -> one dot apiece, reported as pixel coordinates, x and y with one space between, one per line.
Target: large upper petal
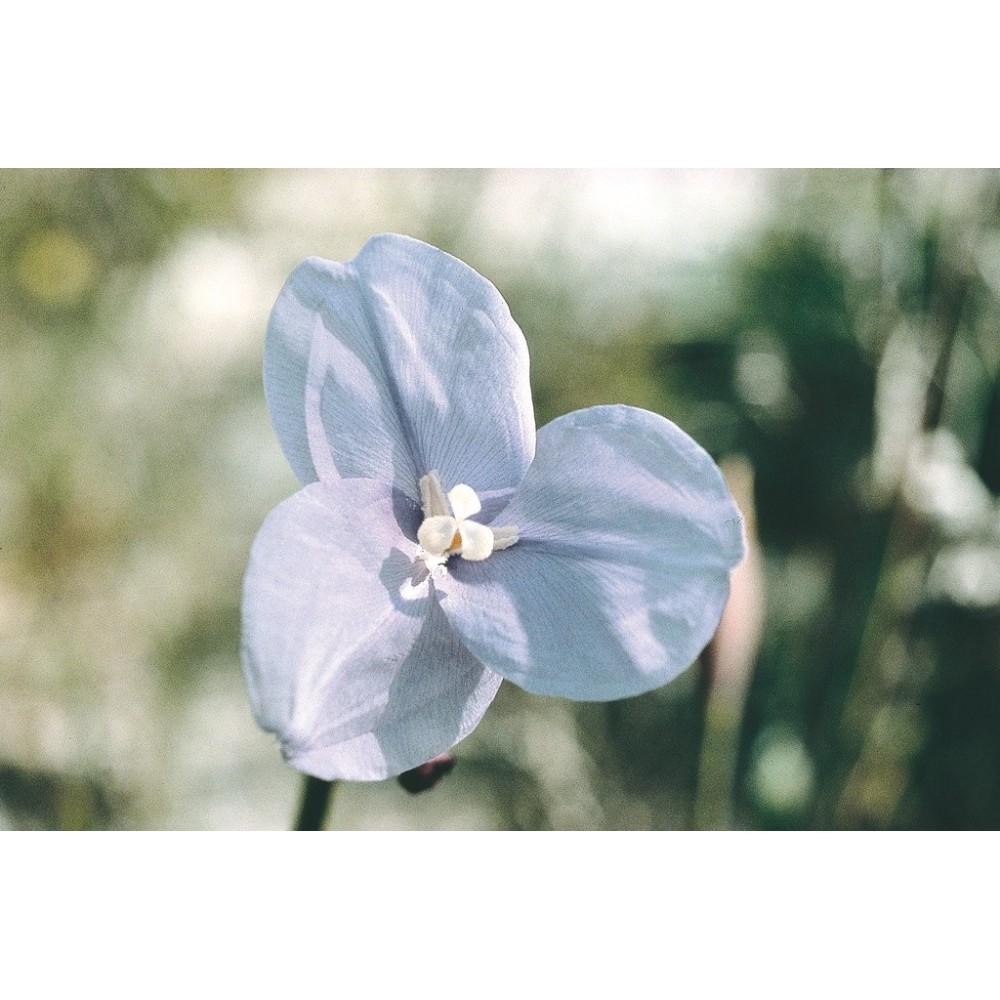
400 362
627 538
347 656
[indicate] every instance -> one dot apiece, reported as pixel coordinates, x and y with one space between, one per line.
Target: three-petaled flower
437 546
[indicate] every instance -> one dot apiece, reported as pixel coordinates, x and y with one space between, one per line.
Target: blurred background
832 338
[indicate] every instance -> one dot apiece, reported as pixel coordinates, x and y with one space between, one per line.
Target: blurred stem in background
728 663
879 728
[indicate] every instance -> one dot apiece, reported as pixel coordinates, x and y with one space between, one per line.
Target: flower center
448 530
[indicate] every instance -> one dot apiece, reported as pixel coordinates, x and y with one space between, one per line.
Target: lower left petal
348 658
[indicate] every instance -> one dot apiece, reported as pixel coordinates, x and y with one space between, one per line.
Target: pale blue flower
436 545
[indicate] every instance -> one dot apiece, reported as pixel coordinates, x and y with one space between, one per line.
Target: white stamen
447 529
477 541
436 534
464 502
432 497
504 538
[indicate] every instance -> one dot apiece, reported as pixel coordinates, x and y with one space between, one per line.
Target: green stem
713 803
314 807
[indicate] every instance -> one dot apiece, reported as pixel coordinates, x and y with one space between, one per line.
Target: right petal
347 656
627 536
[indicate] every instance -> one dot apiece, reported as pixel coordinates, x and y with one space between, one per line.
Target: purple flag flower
437 546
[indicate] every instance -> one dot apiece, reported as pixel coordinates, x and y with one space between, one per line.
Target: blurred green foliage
843 339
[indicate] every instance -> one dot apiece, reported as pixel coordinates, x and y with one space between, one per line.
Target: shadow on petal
407 513
437 697
406 582
406 693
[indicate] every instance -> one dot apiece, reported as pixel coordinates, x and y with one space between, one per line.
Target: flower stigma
447 529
